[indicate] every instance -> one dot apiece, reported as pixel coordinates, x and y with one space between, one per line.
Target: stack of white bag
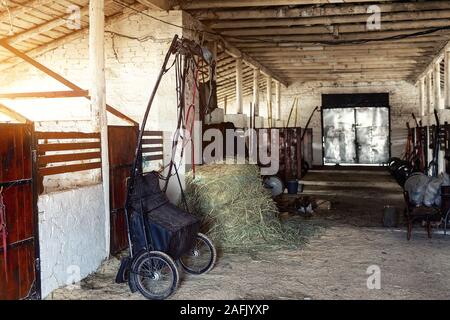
424 190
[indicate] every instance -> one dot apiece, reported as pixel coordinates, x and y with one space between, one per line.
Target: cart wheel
201 258
155 275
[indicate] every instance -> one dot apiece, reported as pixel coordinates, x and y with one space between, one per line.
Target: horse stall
294 145
50 184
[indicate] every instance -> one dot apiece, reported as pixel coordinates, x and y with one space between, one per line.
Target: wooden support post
225 105
429 96
429 111
98 97
269 101
278 100
423 108
447 78
239 86
437 85
256 74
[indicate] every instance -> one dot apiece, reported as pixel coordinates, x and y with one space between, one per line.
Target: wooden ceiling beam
423 40
24 8
44 27
316 11
157 4
347 37
235 52
220 4
402 26
328 20
324 48
337 53
11 62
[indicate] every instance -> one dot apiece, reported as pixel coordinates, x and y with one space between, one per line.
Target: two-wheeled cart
161 235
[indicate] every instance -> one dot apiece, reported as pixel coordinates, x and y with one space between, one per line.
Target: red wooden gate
122 144
17 179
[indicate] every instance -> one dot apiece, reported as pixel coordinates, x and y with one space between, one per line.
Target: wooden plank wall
65 152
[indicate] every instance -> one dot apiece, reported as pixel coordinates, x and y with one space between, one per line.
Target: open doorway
356 129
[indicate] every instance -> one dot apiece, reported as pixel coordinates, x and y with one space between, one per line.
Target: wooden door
122 144
22 279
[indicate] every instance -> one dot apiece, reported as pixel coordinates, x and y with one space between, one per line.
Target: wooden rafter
219 4
11 62
314 11
157 4
60 78
13 114
24 8
45 95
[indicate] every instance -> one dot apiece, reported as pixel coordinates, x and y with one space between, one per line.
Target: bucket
292 186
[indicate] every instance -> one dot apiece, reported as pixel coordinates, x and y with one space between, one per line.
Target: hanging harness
4 233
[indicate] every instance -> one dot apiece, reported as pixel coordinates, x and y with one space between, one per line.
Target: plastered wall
72 236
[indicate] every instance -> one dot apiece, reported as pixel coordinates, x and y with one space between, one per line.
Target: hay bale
237 211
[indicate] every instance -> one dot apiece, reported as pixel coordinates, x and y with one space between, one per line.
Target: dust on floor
333 265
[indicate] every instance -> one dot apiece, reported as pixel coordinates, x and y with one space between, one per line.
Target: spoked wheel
155 275
201 258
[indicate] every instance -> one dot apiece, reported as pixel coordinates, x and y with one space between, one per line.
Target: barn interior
300 133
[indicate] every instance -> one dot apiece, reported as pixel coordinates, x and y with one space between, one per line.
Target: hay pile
238 212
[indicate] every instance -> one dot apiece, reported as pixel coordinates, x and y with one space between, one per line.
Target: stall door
20 278
339 136
372 135
357 135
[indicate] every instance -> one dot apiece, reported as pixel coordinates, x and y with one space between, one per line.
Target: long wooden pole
239 86
437 85
98 97
256 73
447 78
269 101
423 108
278 100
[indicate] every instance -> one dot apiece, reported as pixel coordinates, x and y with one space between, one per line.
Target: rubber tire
211 263
141 258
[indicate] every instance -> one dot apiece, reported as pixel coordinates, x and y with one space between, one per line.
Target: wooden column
269 101
256 74
429 111
98 96
239 86
437 85
423 106
447 78
429 95
278 100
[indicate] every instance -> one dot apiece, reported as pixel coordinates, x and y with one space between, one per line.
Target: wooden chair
420 213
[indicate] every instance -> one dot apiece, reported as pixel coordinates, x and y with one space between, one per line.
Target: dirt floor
332 265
